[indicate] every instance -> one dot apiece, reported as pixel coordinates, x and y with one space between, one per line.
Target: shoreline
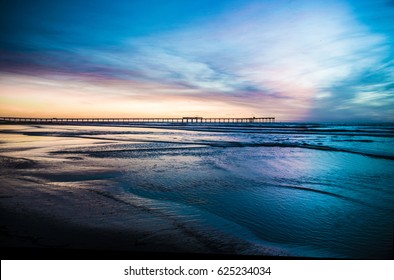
86 222
136 193
66 220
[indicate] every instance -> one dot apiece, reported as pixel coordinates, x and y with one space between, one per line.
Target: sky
304 60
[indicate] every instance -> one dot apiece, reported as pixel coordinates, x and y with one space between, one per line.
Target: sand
134 191
38 215
46 213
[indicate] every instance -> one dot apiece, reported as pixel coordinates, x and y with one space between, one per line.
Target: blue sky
295 60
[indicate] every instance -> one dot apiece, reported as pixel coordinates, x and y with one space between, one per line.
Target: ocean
318 190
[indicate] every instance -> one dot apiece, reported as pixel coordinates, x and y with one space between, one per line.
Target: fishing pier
183 120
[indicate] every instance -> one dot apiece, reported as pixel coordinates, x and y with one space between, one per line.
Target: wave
220 144
376 130
265 137
346 198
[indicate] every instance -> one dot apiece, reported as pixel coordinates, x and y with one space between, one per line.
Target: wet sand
38 215
122 192
66 203
46 214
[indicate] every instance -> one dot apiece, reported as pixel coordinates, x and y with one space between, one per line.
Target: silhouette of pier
183 120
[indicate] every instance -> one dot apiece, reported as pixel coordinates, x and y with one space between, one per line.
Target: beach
81 210
274 190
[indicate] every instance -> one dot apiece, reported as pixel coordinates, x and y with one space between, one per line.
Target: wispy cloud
300 60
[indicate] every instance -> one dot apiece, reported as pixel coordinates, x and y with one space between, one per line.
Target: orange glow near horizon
24 96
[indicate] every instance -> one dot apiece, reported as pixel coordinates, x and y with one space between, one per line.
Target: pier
183 120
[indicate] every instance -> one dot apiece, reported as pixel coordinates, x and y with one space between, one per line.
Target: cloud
299 60
272 55
367 96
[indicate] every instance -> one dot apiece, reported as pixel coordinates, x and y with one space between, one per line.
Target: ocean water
312 190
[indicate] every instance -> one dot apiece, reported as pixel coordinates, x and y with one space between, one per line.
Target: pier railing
183 120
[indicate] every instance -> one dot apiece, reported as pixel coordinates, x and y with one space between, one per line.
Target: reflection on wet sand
274 190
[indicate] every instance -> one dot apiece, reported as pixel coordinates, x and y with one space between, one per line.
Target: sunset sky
293 60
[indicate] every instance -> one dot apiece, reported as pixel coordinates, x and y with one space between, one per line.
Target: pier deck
183 120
